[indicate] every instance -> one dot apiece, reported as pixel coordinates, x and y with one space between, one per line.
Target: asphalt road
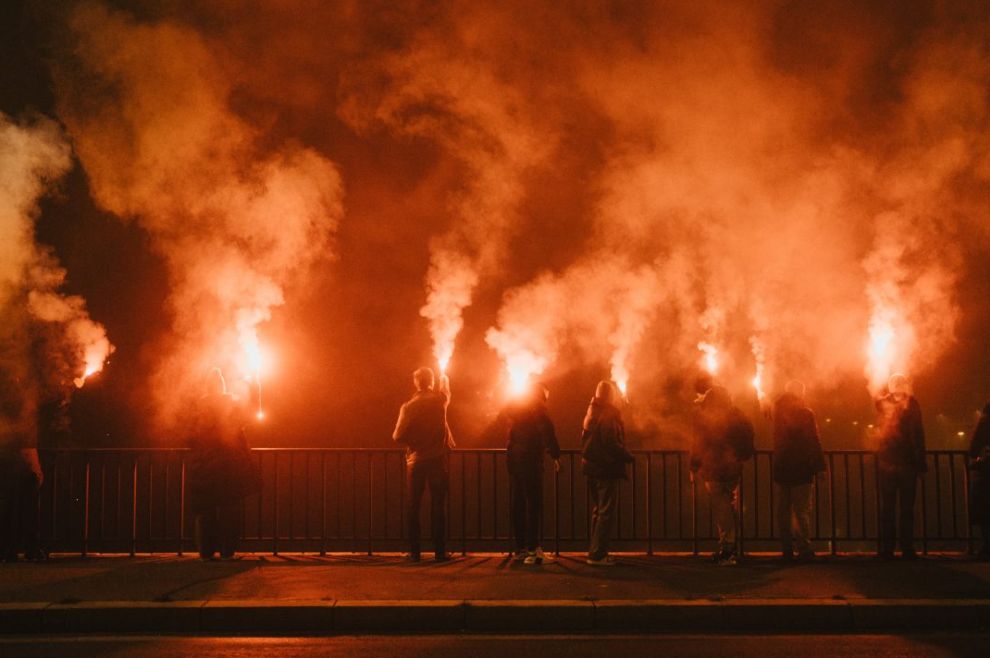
569 646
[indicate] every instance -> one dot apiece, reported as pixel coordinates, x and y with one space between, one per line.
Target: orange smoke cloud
235 218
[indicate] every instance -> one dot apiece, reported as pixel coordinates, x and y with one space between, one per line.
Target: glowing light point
260 415
622 384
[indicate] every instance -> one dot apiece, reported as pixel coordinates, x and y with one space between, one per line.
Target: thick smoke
802 235
235 217
450 83
47 339
769 190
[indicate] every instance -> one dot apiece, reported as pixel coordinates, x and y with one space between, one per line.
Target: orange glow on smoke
521 367
758 383
882 348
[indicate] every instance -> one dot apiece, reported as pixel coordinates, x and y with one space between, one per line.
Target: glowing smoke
34 155
235 217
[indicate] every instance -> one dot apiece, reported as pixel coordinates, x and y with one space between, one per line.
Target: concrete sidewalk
346 593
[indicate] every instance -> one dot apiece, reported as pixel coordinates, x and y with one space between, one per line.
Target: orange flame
521 367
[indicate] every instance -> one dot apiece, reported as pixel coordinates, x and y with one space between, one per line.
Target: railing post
463 505
649 504
134 504
323 504
85 528
182 503
371 501
275 504
831 501
694 515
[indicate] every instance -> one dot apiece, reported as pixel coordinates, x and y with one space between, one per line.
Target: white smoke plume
34 155
235 217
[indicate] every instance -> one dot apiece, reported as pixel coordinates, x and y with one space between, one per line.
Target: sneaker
718 555
607 561
537 557
728 558
520 555
413 557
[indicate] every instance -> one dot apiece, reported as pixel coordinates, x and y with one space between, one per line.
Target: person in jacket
531 433
422 428
723 440
603 461
797 458
901 461
220 469
979 480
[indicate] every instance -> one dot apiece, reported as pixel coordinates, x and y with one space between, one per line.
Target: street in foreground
498 646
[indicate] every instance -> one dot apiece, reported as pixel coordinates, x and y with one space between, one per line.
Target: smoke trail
449 83
235 217
33 156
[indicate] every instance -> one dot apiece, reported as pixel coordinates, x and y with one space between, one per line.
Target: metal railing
353 500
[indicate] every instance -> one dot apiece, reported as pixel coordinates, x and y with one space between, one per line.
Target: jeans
19 513
526 494
794 517
725 500
218 530
604 500
897 487
430 473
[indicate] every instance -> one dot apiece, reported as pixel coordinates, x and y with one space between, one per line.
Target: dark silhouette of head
423 379
605 391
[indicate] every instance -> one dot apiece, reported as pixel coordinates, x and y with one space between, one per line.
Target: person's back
531 433
723 438
422 427
797 451
900 433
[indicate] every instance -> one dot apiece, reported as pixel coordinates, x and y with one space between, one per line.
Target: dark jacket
603 442
530 434
900 435
979 464
221 470
422 426
723 438
797 448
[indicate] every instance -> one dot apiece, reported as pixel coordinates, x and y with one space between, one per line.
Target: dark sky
416 106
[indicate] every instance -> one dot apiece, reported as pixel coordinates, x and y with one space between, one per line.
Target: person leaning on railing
901 461
723 440
422 428
797 458
603 461
979 479
530 434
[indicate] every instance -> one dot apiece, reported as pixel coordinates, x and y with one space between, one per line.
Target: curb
287 617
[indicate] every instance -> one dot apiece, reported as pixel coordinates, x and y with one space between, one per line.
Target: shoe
728 559
519 555
36 556
537 557
606 561
717 556
413 557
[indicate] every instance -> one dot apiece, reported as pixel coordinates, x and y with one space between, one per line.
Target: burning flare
882 348
709 359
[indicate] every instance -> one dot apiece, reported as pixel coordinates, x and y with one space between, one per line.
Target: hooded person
797 458
422 429
530 435
979 480
901 461
723 440
603 460
220 470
